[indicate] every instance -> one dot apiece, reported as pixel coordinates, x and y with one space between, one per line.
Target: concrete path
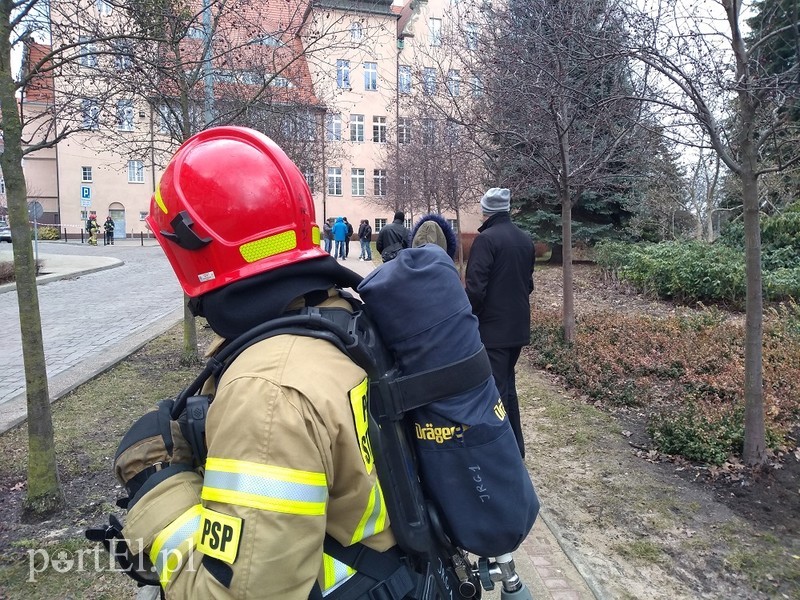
102 303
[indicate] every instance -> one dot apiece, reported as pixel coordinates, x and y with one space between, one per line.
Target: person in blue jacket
340 238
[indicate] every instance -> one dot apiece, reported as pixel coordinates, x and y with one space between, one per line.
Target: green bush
46 232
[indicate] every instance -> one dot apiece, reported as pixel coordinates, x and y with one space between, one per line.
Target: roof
41 87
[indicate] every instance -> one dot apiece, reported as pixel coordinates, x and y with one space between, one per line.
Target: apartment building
353 97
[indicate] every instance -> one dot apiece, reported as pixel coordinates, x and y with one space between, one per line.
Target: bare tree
564 113
705 61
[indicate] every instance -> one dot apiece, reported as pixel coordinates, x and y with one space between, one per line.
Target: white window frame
379 182
125 115
358 181
356 31
86 175
135 171
404 130
370 77
334 181
379 130
308 173
333 127
471 36
357 128
89 58
404 79
435 31
429 81
104 9
90 113
379 224
477 86
454 82
428 132
343 74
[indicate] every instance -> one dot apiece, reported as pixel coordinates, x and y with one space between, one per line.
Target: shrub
47 232
687 370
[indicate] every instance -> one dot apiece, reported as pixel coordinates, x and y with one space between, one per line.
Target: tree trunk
44 490
566 269
754 428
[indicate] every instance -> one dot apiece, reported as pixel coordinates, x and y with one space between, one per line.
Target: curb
48 278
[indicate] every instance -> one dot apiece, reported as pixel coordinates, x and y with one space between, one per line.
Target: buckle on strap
394 587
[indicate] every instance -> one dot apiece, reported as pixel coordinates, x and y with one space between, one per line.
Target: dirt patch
651 526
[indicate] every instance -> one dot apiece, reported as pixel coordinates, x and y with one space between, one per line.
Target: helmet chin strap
183 234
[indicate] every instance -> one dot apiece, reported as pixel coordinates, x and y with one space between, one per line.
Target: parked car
5 232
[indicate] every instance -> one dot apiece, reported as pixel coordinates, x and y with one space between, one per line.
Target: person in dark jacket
499 282
349 237
393 237
365 237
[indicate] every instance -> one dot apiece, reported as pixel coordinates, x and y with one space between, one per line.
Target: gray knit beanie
496 200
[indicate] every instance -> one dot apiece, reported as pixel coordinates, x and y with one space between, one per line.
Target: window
452 132
335 181
404 79
435 29
356 128
267 39
454 224
356 31
404 130
86 174
370 76
304 126
3 187
379 182
429 81
343 74
471 34
308 173
357 181
428 132
405 183
88 57
454 82
195 32
135 171
90 114
379 129
103 8
379 224
125 115
333 127
123 59
477 87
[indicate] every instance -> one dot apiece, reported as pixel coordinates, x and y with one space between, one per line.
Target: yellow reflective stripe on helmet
335 573
374 518
159 200
265 487
268 246
315 236
174 543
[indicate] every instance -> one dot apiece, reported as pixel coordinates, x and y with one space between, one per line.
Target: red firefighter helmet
230 205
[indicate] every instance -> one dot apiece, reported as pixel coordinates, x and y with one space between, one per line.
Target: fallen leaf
627 433
18 486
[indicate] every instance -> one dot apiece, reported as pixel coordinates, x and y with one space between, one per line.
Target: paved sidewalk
101 304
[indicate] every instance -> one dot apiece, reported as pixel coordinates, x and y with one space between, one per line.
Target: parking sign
86 192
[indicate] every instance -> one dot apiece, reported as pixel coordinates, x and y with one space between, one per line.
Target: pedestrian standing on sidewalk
499 282
339 237
108 228
327 235
349 237
434 229
365 237
393 237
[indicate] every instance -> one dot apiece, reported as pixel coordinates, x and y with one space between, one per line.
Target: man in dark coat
499 282
393 237
349 236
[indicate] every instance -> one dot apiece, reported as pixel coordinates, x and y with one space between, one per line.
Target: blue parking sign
86 192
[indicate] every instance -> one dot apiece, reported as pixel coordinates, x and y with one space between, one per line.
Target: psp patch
220 535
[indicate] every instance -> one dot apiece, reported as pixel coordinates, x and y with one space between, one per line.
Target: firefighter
92 227
236 220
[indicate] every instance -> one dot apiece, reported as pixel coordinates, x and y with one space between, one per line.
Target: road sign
35 210
86 203
86 194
